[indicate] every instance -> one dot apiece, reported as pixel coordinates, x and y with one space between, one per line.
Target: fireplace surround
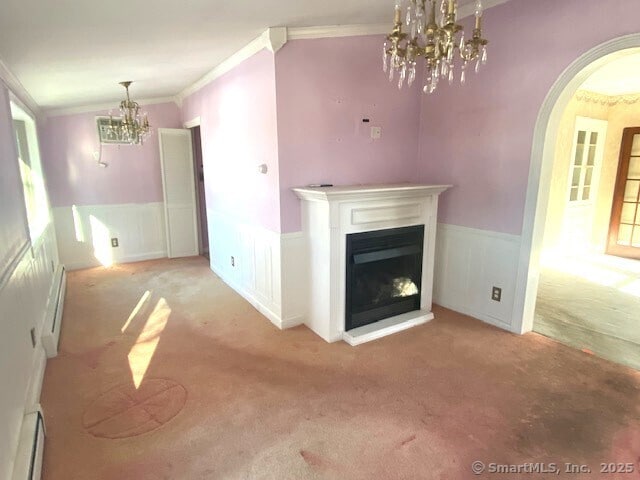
330 215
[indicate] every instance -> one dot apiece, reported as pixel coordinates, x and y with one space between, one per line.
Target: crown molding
17 89
273 39
330 31
58 112
469 9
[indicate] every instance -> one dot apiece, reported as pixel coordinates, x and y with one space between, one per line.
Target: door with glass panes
584 173
624 230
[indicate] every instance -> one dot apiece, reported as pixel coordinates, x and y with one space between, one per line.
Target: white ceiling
618 77
74 52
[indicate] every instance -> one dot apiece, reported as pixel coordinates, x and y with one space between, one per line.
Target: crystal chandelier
435 35
132 127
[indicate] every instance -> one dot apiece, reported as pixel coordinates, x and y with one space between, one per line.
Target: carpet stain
312 459
125 411
408 440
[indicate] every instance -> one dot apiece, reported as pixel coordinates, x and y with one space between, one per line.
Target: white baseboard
249 297
266 267
126 259
469 263
84 234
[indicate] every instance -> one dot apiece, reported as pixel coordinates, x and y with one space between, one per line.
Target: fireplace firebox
384 272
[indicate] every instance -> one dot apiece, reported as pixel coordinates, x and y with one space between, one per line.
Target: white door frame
542 158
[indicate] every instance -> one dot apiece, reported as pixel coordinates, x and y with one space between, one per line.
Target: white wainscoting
468 264
269 273
266 269
24 298
84 234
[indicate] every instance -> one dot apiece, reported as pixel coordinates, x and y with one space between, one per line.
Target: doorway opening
201 199
588 276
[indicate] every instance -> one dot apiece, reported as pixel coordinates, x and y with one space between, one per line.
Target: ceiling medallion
435 35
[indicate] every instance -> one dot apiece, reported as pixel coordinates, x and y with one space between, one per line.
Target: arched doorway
542 159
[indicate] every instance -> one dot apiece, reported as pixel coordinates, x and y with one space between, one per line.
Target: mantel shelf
364 192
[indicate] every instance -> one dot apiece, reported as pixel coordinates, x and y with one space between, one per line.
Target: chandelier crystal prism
432 32
133 126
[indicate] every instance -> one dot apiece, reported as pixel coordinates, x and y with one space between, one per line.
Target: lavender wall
73 176
325 88
14 233
239 132
479 137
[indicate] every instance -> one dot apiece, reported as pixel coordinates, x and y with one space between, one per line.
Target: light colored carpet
261 403
592 302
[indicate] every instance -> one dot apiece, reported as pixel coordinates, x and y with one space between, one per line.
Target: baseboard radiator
28 463
55 307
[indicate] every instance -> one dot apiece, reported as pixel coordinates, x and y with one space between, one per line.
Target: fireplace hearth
384 274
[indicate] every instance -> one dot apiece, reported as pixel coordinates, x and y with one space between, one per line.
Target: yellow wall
620 112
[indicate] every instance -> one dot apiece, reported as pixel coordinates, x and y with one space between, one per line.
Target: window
35 195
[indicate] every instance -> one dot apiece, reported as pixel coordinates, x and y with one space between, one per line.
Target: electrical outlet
233 261
376 133
114 243
496 294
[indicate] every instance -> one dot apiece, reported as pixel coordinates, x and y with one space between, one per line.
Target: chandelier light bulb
478 9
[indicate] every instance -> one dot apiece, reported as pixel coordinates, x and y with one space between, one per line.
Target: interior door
584 176
176 156
624 231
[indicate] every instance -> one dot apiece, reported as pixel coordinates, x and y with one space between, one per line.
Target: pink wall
73 176
325 88
14 234
239 132
479 137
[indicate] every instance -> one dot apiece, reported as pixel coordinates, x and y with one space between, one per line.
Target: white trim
15 86
469 8
292 235
272 39
507 237
193 123
388 326
332 31
250 297
126 259
542 157
99 107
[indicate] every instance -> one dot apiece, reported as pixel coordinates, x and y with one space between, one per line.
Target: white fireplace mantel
329 214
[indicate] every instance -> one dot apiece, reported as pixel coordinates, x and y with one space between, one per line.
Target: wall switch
233 261
496 294
376 133
114 242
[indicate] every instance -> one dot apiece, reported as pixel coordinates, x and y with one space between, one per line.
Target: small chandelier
132 127
437 37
